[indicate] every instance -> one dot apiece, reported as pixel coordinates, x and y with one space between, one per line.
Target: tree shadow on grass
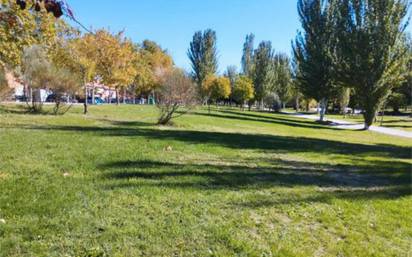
332 181
397 121
224 114
260 142
15 109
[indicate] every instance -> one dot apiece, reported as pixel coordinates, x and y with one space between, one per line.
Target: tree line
349 52
44 53
265 77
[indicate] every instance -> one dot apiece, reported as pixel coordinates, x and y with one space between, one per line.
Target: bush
177 90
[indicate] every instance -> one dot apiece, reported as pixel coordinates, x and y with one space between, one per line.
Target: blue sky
172 23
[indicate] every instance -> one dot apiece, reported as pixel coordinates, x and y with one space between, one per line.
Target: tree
343 98
313 51
20 29
4 86
371 55
36 73
243 90
63 83
176 91
203 56
85 53
232 74
401 96
219 89
151 62
115 58
216 88
283 78
263 77
248 56
66 74
57 73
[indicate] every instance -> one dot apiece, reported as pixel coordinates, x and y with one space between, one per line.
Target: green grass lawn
394 122
232 184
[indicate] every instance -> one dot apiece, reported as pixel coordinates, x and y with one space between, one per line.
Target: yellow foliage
243 90
216 87
20 29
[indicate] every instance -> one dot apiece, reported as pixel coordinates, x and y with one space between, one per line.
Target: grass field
228 183
394 122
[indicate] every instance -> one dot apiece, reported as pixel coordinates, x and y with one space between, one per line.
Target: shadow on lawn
407 124
382 181
262 142
224 114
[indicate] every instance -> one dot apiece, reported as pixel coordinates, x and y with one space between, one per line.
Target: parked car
21 98
97 100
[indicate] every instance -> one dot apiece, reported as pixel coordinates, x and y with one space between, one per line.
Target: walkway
356 126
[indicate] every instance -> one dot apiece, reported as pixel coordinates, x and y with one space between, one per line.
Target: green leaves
351 42
313 49
203 55
371 50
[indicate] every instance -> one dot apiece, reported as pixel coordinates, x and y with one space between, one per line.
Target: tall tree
151 63
36 73
86 54
371 56
232 74
283 77
313 51
263 76
115 60
247 57
203 56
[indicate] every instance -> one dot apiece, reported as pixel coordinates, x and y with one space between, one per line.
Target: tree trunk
297 107
369 116
117 96
85 110
323 108
31 94
124 95
93 97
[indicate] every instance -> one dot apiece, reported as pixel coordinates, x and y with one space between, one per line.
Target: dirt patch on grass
3 176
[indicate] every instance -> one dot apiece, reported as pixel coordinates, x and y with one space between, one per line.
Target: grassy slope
244 184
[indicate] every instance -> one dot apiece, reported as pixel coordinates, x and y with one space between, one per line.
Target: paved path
356 126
